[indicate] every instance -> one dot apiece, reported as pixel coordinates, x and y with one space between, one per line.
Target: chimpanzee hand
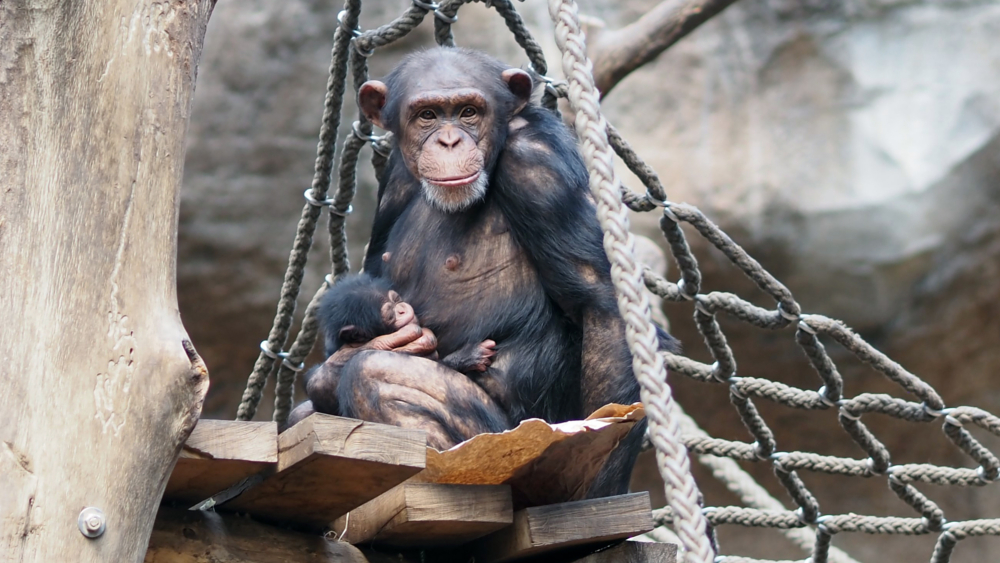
412 339
321 386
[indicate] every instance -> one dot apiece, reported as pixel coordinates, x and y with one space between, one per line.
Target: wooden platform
353 479
186 536
309 475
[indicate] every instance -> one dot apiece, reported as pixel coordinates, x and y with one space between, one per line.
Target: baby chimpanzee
359 307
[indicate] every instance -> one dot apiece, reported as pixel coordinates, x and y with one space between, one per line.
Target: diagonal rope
271 349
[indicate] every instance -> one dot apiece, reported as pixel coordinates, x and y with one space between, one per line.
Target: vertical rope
347 186
633 303
325 150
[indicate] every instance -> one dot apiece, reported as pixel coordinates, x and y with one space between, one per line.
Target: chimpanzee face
397 313
446 137
448 128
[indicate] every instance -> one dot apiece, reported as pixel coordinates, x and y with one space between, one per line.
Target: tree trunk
99 386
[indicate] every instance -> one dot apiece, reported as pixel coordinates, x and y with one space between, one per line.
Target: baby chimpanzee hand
474 358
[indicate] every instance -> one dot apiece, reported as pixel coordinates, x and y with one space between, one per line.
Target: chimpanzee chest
464 274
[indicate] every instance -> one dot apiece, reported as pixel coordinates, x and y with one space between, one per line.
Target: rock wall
852 146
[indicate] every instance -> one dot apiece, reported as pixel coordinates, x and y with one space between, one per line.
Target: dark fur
354 300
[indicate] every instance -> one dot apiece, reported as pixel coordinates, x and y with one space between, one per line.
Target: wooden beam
328 465
218 454
559 526
428 515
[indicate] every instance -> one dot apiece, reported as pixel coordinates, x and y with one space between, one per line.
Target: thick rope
633 303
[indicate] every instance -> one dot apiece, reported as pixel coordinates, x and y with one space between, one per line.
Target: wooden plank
328 465
542 529
428 515
218 454
634 552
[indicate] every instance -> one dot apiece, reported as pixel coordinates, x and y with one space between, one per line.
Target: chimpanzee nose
449 138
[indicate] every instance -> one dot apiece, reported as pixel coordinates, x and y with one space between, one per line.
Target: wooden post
99 386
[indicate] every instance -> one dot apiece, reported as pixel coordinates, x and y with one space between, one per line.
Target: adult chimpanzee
485 225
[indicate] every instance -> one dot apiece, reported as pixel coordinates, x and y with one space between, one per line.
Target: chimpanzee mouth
455 182
459 196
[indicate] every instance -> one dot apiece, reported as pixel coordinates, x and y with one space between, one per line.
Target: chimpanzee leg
415 392
321 387
298 414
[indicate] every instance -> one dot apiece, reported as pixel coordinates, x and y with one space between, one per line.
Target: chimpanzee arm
541 183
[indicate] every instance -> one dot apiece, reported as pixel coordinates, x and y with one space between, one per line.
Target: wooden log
328 465
554 527
218 454
99 383
634 552
428 515
194 536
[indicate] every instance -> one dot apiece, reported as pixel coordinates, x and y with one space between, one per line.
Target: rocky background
852 146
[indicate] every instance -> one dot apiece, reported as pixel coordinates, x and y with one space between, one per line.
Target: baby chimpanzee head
358 308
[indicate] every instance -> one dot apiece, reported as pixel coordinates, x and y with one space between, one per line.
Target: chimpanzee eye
468 111
427 114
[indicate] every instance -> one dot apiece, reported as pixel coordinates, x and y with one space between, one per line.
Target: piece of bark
218 454
428 515
543 463
99 384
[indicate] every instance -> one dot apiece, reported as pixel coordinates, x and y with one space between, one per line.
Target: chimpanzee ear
351 334
371 99
520 85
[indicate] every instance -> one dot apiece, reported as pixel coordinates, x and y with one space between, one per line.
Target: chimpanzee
485 225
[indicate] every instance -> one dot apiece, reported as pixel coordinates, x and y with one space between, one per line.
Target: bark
617 53
99 386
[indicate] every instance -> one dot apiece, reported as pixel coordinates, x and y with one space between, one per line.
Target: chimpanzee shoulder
541 183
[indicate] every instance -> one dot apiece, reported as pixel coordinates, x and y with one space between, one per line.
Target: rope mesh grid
806 526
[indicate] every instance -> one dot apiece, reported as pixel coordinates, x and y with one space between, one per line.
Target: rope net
670 430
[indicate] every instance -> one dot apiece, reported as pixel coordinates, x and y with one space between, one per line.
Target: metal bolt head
91 522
